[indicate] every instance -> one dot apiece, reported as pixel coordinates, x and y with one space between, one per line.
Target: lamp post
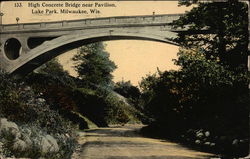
1 19
17 19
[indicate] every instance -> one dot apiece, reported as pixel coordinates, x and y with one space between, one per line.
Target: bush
90 105
58 91
201 95
127 90
94 103
20 104
104 107
55 89
117 111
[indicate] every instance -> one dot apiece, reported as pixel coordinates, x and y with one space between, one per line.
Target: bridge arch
50 49
55 38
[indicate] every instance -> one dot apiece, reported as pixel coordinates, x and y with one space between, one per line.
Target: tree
126 89
227 36
132 93
94 65
52 67
202 94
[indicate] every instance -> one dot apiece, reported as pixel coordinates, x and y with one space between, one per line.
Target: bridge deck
92 22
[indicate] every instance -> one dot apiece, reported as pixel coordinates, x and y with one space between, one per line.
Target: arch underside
50 49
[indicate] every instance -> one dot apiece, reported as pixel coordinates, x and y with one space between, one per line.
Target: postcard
126 79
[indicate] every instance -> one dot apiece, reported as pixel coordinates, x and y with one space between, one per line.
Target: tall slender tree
94 66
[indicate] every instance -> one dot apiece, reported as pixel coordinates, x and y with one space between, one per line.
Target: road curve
125 143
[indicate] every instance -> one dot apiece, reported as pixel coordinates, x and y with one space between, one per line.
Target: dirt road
125 143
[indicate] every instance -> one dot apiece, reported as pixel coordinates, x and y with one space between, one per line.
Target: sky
134 58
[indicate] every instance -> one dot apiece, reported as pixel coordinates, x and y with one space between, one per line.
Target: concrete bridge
26 46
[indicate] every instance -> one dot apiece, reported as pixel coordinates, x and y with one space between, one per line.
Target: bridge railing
98 22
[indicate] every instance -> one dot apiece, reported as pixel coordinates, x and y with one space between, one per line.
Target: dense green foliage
52 67
73 96
119 111
57 89
201 95
127 90
48 98
93 95
104 107
20 104
90 105
93 65
209 94
225 31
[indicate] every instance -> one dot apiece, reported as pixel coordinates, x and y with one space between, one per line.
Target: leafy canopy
201 93
94 65
126 89
225 31
52 67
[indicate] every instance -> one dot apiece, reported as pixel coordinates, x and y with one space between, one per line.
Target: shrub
20 104
58 92
90 105
201 95
103 107
127 90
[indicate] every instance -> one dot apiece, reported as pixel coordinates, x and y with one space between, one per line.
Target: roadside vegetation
206 102
202 105
28 126
40 114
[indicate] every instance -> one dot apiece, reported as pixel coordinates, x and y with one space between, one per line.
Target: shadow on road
118 142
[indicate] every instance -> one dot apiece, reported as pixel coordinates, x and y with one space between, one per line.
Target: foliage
20 104
201 95
90 105
30 144
119 111
93 65
58 91
148 82
52 67
214 87
90 124
116 111
219 28
216 99
96 103
188 2
104 107
126 89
